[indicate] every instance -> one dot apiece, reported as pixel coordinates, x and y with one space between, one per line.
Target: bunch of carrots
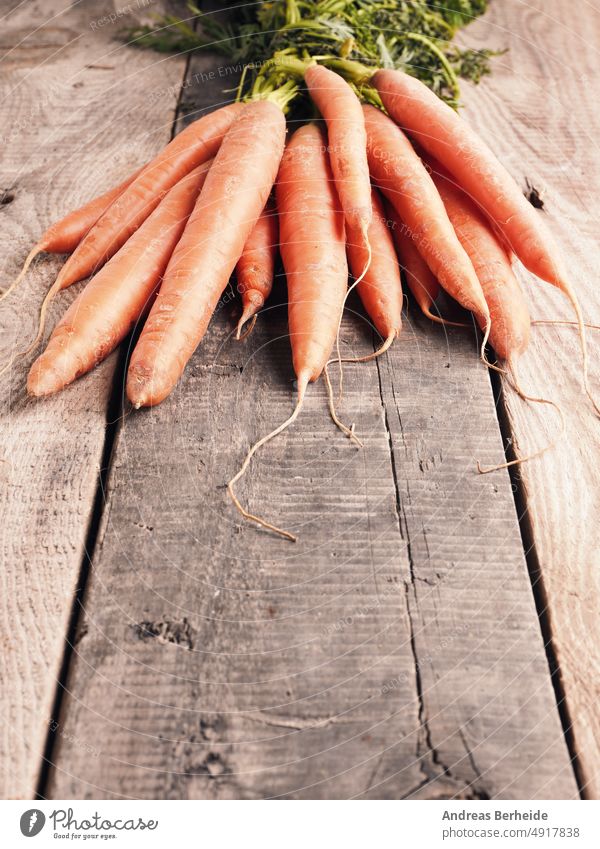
235 187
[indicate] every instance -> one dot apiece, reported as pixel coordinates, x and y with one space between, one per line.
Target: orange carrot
347 142
256 267
381 288
399 172
419 278
510 317
193 146
312 245
453 143
116 298
230 203
63 236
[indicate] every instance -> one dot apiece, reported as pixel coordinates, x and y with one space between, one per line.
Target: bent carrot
470 161
63 236
509 335
399 172
256 267
312 245
380 290
232 198
109 306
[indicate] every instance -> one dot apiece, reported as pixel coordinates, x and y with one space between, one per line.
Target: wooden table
434 633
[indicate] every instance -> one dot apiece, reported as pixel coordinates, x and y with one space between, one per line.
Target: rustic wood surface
77 115
539 109
394 651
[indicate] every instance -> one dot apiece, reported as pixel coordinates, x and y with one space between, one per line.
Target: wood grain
393 652
76 109
539 111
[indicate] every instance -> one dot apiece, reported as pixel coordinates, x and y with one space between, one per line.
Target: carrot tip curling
512 380
349 431
247 515
359 279
247 314
35 251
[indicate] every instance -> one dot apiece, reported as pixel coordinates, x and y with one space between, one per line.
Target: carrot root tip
37 249
302 384
246 315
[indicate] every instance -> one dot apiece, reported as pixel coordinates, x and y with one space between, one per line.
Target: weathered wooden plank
78 113
539 110
393 651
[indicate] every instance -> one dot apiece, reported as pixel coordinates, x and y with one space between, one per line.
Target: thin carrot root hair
513 382
302 384
243 319
359 279
35 251
486 336
443 321
566 290
49 297
564 322
349 431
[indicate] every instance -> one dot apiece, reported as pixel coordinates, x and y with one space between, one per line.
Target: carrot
63 236
399 172
380 290
347 143
256 267
419 278
312 245
193 146
113 301
231 200
509 335
453 143
347 147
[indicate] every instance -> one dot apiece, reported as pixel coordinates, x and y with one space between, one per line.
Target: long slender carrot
63 236
509 335
399 172
115 299
380 290
452 142
347 147
231 200
256 267
193 146
347 144
312 244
